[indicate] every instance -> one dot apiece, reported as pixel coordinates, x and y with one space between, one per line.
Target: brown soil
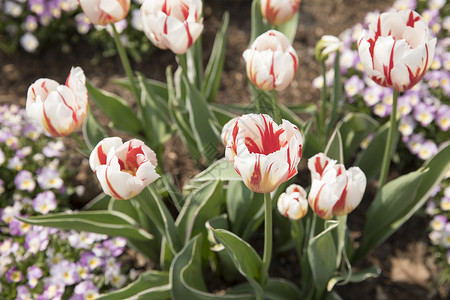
407 267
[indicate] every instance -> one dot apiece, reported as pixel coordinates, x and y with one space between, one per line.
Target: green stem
275 108
390 142
323 103
267 238
182 61
337 88
126 65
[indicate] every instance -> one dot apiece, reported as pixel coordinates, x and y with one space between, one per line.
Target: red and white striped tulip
271 61
334 190
293 204
397 50
278 12
264 154
59 109
123 169
172 24
103 12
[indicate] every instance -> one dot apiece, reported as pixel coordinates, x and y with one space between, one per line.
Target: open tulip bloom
271 61
172 24
103 12
278 12
264 154
59 109
334 190
123 169
397 50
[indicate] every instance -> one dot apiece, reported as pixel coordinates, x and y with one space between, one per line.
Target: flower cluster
424 108
35 261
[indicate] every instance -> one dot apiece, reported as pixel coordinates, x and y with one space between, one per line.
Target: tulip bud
59 109
263 153
102 12
278 12
271 61
397 50
173 25
293 203
123 169
327 45
334 190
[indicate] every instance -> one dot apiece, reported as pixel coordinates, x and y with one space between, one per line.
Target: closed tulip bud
293 203
263 153
334 190
278 12
123 169
397 50
102 12
327 45
271 61
59 109
172 24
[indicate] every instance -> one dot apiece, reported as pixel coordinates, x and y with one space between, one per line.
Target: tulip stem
267 238
390 142
126 66
323 103
275 108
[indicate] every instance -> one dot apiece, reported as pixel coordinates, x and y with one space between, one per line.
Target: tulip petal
99 154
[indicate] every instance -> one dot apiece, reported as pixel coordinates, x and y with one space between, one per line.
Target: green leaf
219 170
104 222
358 276
276 289
186 275
259 24
120 114
322 255
93 132
213 72
150 284
289 28
334 147
100 202
244 257
238 204
160 88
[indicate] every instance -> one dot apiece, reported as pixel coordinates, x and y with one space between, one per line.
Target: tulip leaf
322 255
213 71
334 148
201 205
244 257
202 122
103 222
221 114
275 289
150 285
221 169
119 113
186 275
259 23
289 28
93 132
100 202
358 276
369 161
399 199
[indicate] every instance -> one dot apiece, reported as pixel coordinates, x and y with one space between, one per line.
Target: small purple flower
427 150
33 275
90 260
431 208
382 110
415 142
353 86
2 157
29 42
53 149
85 290
65 271
36 240
36 6
424 114
19 228
31 23
372 95
49 179
115 245
8 246
24 152
438 222
445 203
407 125
81 240
83 23
54 288
24 181
44 202
15 163
54 8
443 117
404 106
13 275
435 237
348 59
31 131
23 293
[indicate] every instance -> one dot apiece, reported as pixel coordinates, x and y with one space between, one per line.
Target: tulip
102 12
59 109
293 203
397 50
271 61
172 24
334 190
123 169
327 44
278 12
263 153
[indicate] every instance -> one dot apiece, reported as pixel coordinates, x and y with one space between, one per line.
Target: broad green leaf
104 222
291 116
370 159
259 24
238 203
93 132
152 284
187 279
201 205
334 147
119 113
254 215
213 72
276 289
244 257
322 255
100 202
358 276
219 170
158 87
289 28
202 122
221 114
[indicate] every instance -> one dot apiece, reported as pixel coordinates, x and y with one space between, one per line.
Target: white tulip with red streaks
103 12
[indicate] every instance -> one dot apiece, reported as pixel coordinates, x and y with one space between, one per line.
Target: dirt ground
407 267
